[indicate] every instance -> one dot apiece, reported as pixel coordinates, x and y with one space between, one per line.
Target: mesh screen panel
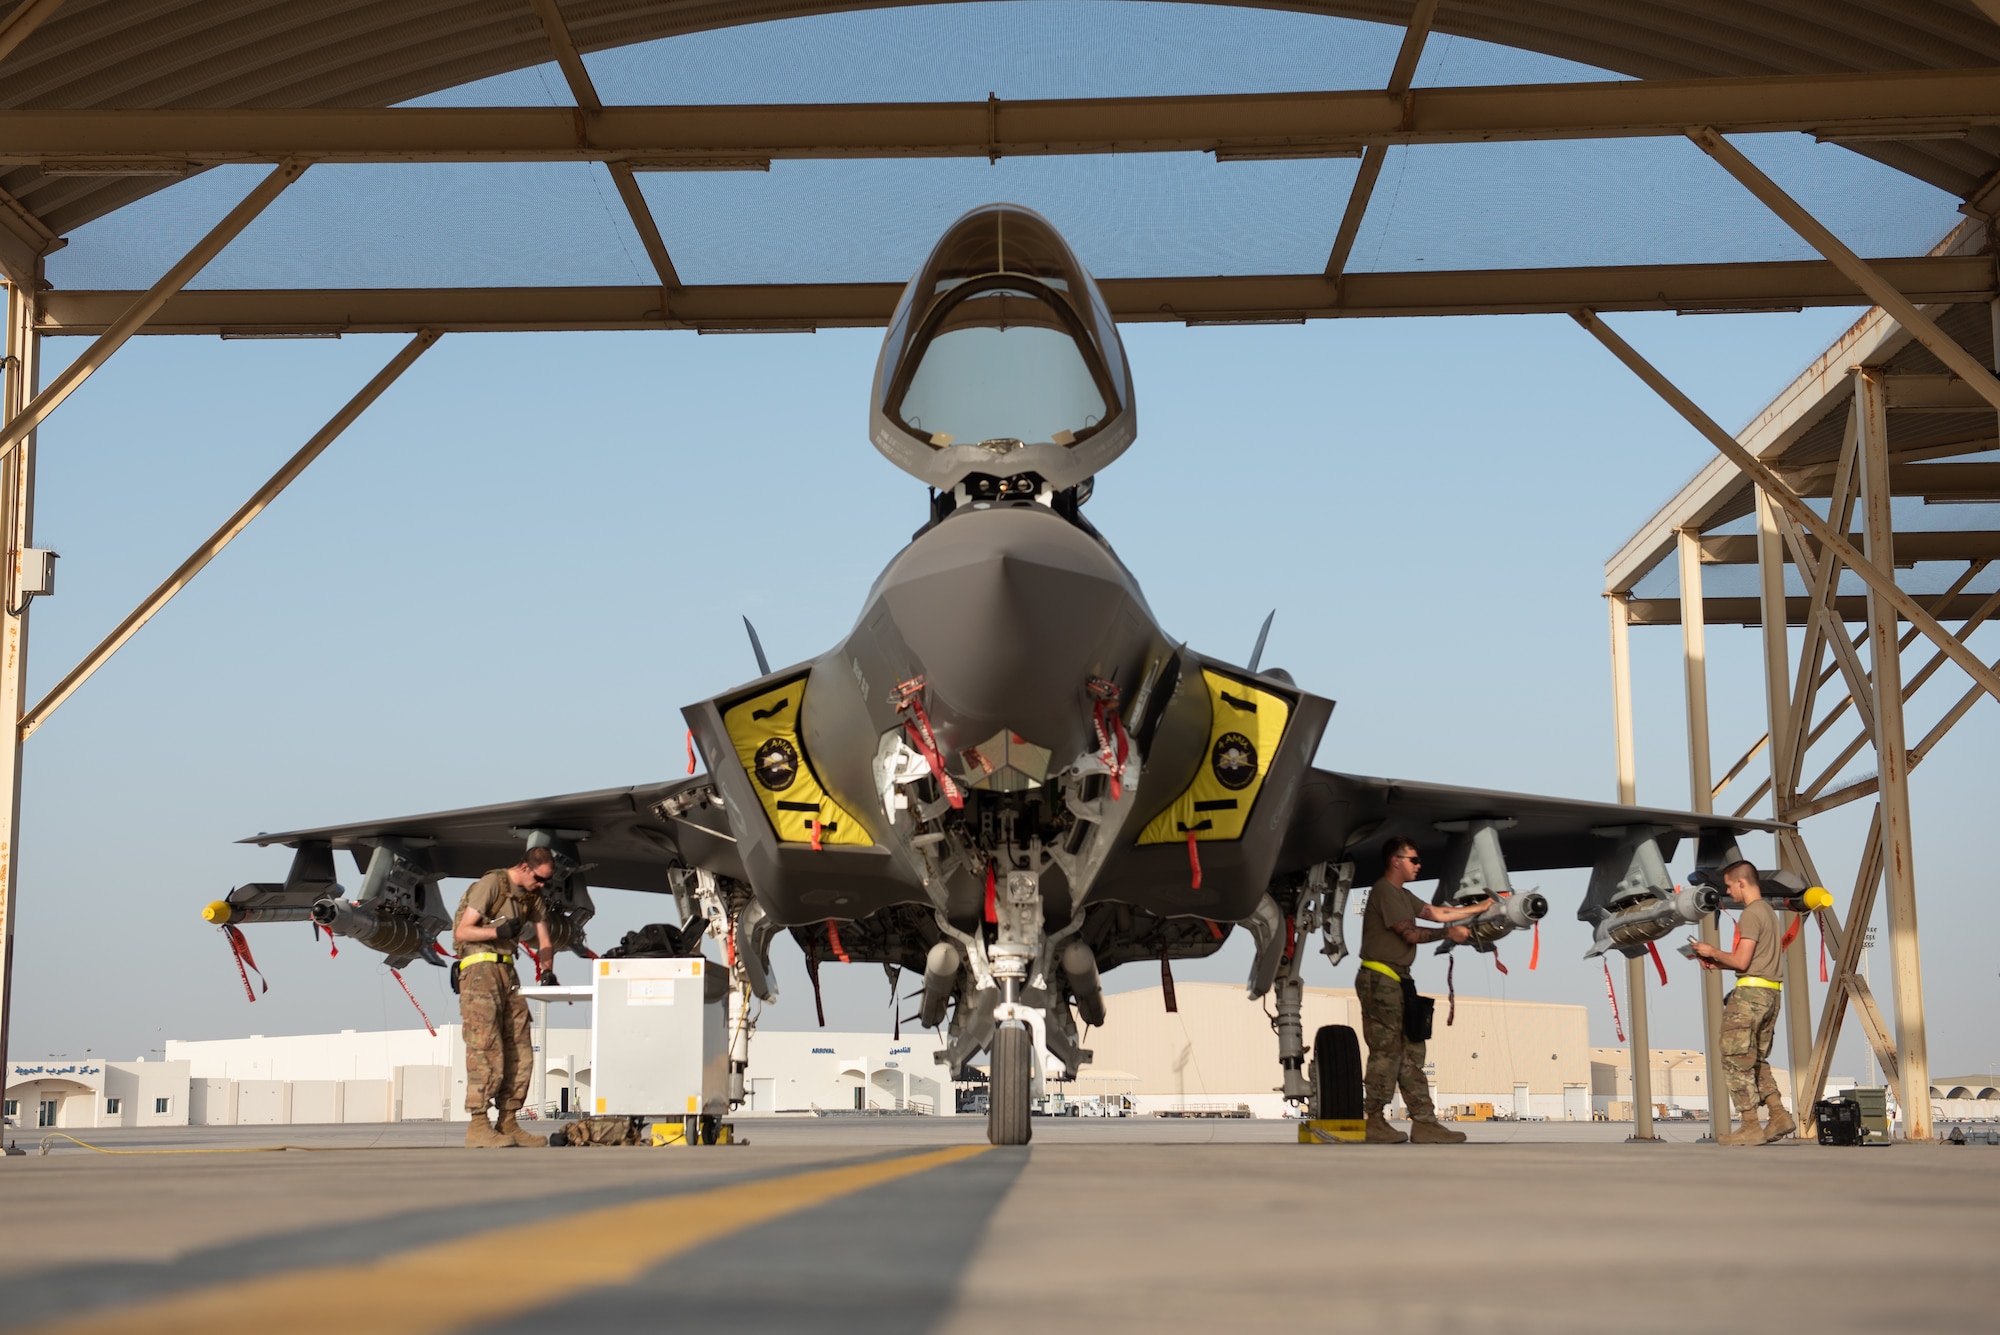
1131 216
1436 207
1631 201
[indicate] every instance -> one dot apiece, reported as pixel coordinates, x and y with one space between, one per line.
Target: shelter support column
1778 710
17 523
1701 792
1640 1053
1892 763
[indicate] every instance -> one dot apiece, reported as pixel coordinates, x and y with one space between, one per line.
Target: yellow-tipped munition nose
218 912
1817 898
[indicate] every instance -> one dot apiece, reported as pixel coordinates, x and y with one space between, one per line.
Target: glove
506 931
547 977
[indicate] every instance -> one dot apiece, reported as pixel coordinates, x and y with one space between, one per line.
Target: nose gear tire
1336 1073
1007 1096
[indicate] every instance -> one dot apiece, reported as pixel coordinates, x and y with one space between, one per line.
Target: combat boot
1779 1123
511 1128
480 1135
1434 1133
1749 1133
1379 1132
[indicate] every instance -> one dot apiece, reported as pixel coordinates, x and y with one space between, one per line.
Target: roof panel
218 53
1631 201
1157 215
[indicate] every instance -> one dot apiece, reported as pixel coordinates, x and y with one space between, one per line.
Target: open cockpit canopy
1002 359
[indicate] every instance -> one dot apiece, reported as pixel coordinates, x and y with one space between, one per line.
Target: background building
63 1093
1218 1052
1215 1053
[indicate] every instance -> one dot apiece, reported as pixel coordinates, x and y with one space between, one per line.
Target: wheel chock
675 1133
1333 1131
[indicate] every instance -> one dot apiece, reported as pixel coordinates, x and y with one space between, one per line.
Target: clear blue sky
511 574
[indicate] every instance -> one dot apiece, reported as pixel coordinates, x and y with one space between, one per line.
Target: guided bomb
398 935
1474 869
1629 930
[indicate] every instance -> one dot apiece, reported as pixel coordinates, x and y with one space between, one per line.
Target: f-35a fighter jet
1008 778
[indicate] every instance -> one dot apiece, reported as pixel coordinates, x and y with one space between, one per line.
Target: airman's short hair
538 859
1397 844
1743 871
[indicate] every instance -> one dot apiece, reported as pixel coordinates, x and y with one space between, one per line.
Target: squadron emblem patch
777 764
1234 761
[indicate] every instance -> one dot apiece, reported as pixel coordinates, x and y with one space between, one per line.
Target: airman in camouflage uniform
499 1049
1750 1015
1389 940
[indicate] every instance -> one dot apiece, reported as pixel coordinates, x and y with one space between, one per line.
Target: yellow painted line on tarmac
452 1285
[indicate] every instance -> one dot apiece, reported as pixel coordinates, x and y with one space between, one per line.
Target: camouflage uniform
1749 1021
499 1046
1392 1059
1750 1015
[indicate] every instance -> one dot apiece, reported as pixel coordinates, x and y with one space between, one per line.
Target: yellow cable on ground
245 1149
413 1292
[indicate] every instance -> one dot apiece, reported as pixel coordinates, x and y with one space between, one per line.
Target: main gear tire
1336 1073
1007 1092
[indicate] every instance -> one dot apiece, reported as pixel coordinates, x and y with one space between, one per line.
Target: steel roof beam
1881 583
1850 609
1879 289
584 91
20 25
1400 77
1980 545
1245 299
223 536
139 307
1872 105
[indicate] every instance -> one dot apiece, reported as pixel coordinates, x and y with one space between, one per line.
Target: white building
404 1075
1217 1052
394 1075
822 1071
64 1094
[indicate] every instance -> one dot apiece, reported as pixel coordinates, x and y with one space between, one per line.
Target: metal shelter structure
1865 433
103 103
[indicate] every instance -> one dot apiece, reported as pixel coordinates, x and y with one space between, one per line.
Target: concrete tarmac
897 1225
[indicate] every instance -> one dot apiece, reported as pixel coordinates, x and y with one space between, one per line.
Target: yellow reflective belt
481 958
1382 969
1759 982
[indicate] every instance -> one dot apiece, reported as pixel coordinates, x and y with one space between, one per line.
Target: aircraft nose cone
1009 611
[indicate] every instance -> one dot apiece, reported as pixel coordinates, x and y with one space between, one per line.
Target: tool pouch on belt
454 977
1417 1013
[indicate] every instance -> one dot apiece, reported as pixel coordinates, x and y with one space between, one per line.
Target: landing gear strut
1018 908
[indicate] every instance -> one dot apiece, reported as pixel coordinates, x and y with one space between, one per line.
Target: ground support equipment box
657 1048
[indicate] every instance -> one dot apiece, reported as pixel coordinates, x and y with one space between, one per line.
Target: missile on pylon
1631 900
1475 868
1628 930
223 912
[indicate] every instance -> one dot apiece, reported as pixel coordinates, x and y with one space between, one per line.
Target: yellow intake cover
1245 726
764 729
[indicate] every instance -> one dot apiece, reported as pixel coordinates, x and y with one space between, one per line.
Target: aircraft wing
1349 815
620 834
